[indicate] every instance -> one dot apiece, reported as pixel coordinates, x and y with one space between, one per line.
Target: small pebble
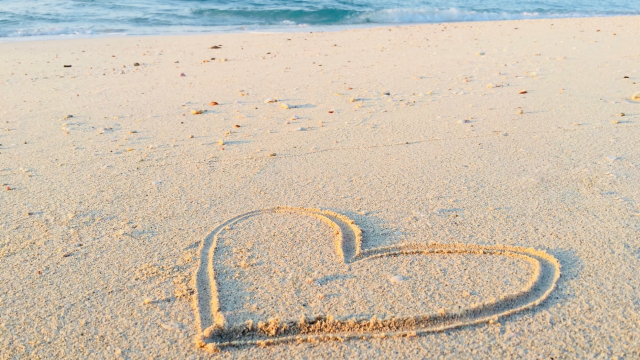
480 53
67 65
272 154
636 97
196 112
190 136
622 114
213 103
522 92
396 279
284 106
519 111
236 125
136 64
352 100
182 74
270 100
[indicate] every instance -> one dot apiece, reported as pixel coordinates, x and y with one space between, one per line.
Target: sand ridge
213 332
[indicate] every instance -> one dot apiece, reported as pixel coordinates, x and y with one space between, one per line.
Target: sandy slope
106 210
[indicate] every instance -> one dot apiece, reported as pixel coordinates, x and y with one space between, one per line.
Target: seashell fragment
285 106
213 103
522 92
636 96
270 100
396 279
196 112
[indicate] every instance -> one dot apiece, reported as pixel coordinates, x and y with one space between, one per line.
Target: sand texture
463 190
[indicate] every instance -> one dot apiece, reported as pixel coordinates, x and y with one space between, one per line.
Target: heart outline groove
213 333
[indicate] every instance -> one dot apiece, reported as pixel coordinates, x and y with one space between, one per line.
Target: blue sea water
28 18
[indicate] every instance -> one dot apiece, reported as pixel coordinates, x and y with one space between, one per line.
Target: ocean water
63 18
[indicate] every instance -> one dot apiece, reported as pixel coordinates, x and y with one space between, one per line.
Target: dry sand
105 215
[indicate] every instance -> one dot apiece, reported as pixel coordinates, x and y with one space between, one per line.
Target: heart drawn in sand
214 332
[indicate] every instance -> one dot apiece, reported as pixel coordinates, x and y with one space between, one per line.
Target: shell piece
284 106
636 96
270 100
196 112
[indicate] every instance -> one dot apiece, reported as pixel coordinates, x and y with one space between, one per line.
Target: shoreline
269 29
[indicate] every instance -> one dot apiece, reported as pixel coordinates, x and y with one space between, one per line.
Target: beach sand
120 172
